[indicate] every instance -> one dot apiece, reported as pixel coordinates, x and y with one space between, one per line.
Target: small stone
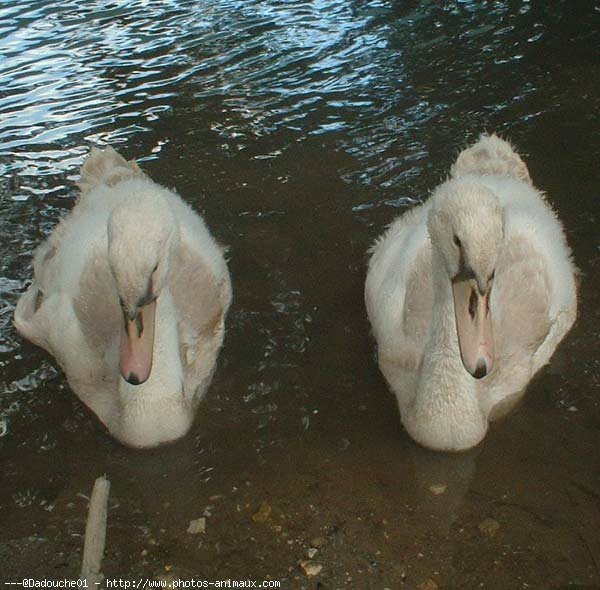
428 585
438 489
263 513
318 542
311 568
197 526
312 551
489 527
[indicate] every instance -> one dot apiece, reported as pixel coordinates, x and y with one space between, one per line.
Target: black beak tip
133 379
480 370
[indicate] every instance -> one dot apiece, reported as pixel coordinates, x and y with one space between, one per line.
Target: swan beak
137 345
474 327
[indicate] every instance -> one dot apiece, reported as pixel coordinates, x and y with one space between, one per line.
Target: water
300 130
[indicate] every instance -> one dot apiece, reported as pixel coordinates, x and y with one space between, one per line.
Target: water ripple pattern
71 73
374 73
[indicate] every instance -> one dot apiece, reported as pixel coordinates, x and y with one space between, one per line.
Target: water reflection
371 73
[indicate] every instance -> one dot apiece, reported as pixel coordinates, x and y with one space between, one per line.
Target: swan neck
443 334
445 413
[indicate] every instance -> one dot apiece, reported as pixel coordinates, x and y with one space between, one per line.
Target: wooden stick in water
95 533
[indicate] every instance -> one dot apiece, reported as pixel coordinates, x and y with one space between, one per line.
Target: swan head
142 239
466 227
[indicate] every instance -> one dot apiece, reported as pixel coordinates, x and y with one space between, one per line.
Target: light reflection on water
367 72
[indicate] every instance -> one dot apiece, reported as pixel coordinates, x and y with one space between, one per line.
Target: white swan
129 294
468 296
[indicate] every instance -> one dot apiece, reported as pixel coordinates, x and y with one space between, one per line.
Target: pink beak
474 327
137 345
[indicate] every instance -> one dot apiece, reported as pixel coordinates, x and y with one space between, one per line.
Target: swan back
490 156
106 168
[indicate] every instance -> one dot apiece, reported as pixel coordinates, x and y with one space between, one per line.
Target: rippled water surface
299 130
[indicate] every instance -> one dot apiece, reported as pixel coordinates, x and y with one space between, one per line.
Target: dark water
299 130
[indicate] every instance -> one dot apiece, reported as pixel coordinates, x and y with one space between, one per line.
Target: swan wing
96 304
521 300
418 306
202 301
75 325
399 293
520 307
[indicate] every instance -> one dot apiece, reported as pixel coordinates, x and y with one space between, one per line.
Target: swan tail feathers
491 155
106 167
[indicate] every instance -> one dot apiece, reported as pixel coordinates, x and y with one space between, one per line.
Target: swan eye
491 277
457 242
155 268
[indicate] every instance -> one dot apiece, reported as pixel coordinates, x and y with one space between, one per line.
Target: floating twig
95 533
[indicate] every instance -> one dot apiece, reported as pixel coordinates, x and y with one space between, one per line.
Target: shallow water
300 130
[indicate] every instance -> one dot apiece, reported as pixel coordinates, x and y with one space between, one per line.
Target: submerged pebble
197 526
311 568
438 489
263 513
489 527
